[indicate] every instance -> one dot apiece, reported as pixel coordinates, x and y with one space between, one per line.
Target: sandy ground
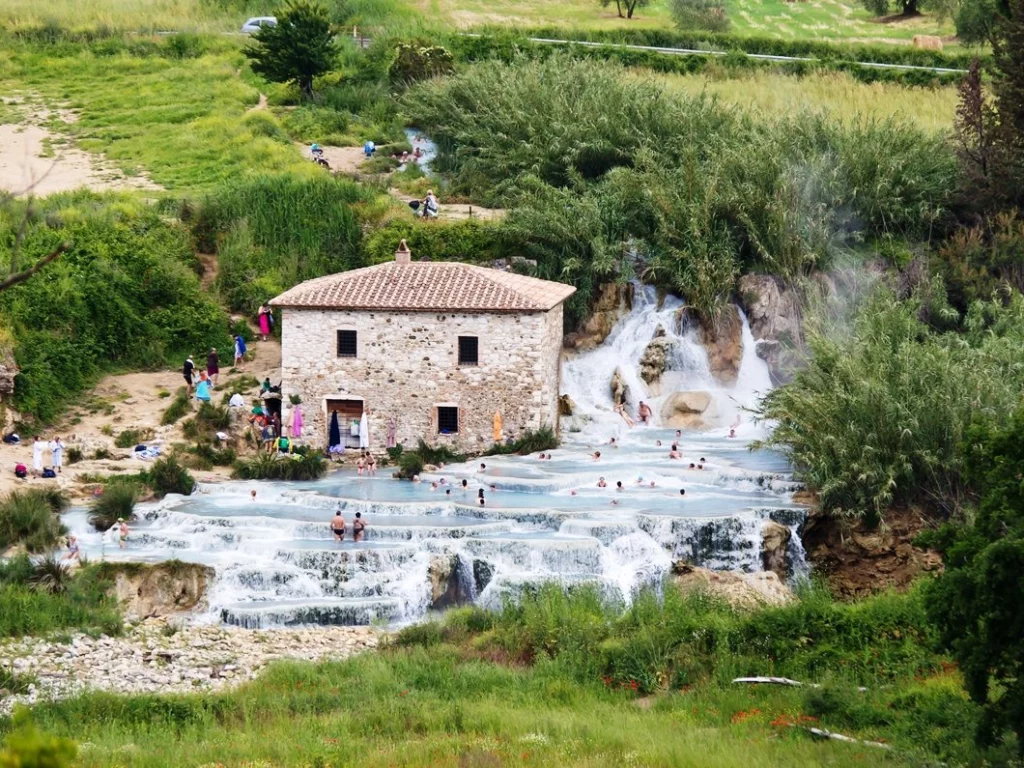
35 160
129 401
455 211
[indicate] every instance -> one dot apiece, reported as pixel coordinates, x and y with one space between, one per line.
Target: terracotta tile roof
427 286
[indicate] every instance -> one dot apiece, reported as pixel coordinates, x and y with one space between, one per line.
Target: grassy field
431 707
829 19
835 93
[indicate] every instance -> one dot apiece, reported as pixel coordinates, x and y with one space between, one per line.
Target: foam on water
277 564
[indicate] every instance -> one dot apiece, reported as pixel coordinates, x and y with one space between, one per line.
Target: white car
254 24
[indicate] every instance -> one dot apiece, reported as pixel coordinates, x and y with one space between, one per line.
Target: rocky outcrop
722 341
449 586
775 539
686 410
8 370
857 560
773 311
614 300
620 390
159 590
566 406
654 361
745 591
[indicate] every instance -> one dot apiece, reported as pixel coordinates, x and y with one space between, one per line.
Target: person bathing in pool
358 527
338 525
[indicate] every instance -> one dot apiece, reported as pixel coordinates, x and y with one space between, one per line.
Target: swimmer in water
596 455
252 494
601 483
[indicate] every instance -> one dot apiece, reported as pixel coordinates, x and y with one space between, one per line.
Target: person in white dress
57 454
38 449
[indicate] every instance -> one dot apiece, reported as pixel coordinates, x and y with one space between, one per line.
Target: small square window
469 350
346 343
447 420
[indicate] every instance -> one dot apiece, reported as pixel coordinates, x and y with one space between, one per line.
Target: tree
420 62
629 5
883 7
975 602
300 48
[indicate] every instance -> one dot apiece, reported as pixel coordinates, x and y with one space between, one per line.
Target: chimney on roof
403 255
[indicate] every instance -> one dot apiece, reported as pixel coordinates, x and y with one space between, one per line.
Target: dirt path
455 211
35 160
261 105
130 401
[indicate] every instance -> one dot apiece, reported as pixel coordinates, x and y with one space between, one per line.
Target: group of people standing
41 467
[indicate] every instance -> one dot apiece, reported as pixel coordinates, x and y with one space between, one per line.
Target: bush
530 441
117 501
75 455
700 14
129 438
168 476
414 62
27 747
180 405
271 232
410 464
209 420
134 301
50 575
271 466
29 517
879 414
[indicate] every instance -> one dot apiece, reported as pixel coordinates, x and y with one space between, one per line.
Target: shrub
29 517
135 304
271 466
75 455
410 464
879 414
414 62
700 14
101 453
168 476
530 441
180 405
271 232
50 575
27 747
129 438
117 501
208 420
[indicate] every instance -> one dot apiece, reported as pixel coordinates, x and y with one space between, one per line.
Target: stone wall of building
407 364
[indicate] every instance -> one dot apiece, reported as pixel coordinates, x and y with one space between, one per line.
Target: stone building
437 346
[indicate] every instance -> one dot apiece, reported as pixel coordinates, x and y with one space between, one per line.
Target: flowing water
276 562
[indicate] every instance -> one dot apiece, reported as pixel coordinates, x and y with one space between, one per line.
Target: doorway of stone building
349 412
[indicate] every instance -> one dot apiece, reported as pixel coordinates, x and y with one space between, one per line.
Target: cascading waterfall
277 563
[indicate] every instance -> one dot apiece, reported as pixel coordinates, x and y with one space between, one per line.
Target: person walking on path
187 372
240 350
57 454
203 389
264 319
213 366
38 449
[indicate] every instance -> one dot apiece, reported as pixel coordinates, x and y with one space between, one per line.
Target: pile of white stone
154 657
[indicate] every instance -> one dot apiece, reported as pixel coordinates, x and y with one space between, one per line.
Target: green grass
178 119
458 694
431 707
25 610
29 517
826 19
834 93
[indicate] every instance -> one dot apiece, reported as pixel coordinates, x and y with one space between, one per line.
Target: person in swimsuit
358 526
338 526
122 533
73 553
480 497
